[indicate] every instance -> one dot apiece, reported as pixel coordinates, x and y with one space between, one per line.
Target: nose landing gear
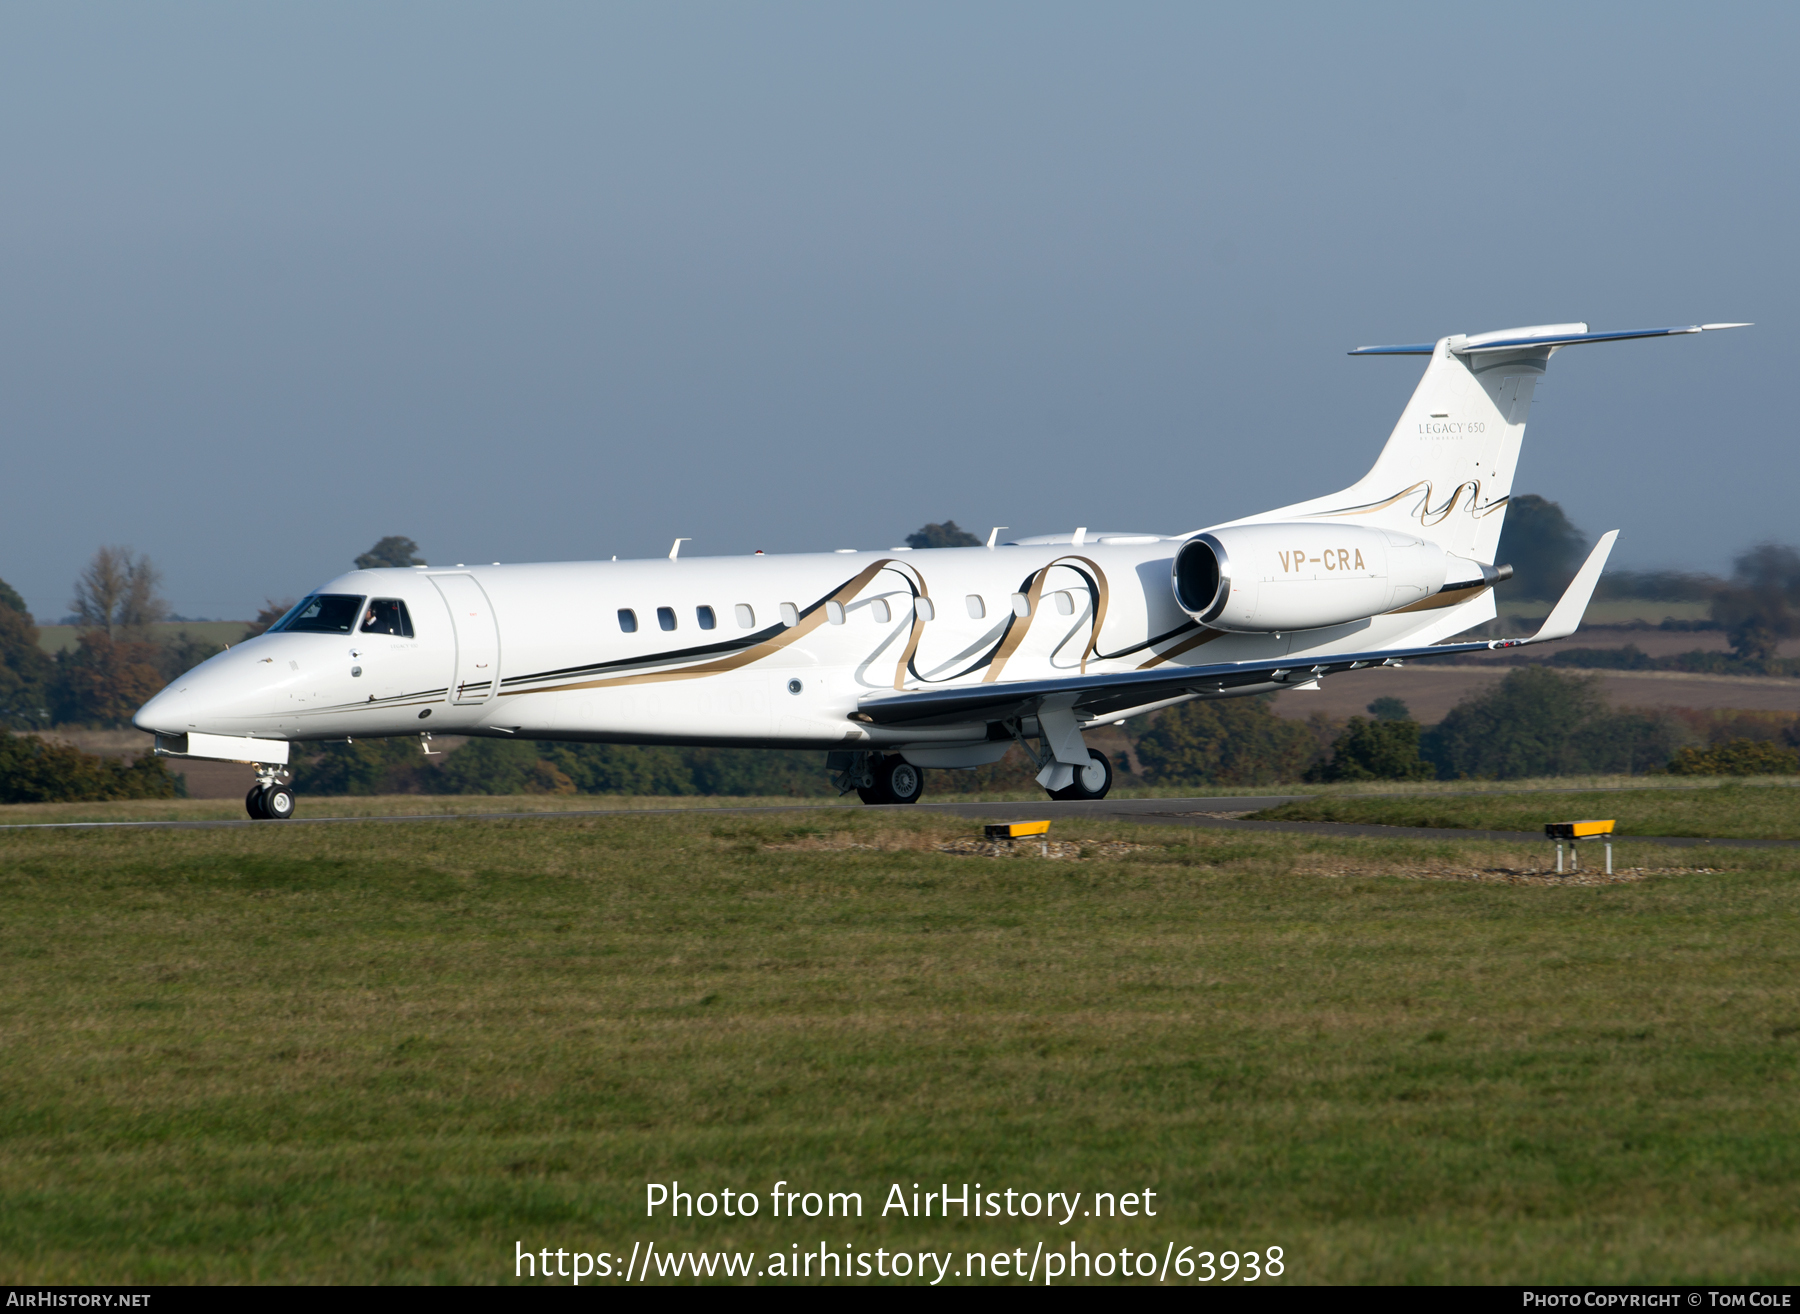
269 799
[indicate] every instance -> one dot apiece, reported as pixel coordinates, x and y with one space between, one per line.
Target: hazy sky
546 282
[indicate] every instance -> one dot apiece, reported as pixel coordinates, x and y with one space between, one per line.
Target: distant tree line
123 653
35 770
510 766
117 662
1536 721
1533 722
1757 607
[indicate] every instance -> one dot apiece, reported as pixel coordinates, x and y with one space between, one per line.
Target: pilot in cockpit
387 616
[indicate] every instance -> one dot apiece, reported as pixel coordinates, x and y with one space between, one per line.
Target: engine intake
1260 579
1201 567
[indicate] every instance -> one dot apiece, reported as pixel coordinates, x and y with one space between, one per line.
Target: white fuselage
539 651
910 652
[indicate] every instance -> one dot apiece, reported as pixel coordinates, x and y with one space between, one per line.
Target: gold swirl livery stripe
1093 643
1424 511
917 581
1370 508
1015 633
810 621
1188 644
1436 600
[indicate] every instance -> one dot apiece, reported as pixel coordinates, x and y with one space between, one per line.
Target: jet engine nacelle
1259 579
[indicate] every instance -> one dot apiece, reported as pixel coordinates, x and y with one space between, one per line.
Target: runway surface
1211 813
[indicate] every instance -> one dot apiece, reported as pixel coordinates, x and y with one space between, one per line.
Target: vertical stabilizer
1447 469
1446 473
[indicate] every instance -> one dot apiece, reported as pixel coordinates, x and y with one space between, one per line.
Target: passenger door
477 676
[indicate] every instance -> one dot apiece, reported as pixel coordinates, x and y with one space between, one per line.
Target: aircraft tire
1086 788
278 802
253 804
896 781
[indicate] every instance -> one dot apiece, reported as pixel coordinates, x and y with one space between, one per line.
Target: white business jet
896 662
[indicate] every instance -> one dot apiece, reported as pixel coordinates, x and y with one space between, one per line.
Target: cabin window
387 616
706 618
746 615
790 614
628 620
1021 605
834 612
323 613
665 617
1065 603
977 608
881 611
923 609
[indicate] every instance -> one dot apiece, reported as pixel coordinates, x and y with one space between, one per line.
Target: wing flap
1099 694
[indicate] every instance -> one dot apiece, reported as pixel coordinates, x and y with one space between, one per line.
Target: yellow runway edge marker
1570 831
1574 830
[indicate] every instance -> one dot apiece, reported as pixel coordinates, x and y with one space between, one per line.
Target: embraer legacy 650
896 662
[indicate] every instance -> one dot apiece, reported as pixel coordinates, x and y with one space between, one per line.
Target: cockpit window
387 616
322 613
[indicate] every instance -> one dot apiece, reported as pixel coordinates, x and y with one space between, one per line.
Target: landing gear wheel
253 804
896 781
278 802
1091 782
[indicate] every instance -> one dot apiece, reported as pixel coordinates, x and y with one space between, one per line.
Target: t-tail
1446 472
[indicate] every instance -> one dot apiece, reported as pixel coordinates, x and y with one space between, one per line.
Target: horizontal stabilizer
1569 609
1549 335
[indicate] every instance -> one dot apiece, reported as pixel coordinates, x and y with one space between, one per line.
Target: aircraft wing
1101 695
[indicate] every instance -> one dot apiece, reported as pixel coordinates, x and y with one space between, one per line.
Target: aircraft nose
194 701
164 713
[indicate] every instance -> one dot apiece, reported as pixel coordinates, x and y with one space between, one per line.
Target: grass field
389 1054
1731 810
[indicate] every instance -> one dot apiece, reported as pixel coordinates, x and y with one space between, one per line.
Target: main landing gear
896 781
889 778
269 799
1091 782
877 777
1070 772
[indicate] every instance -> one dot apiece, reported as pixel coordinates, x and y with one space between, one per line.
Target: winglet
1565 617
